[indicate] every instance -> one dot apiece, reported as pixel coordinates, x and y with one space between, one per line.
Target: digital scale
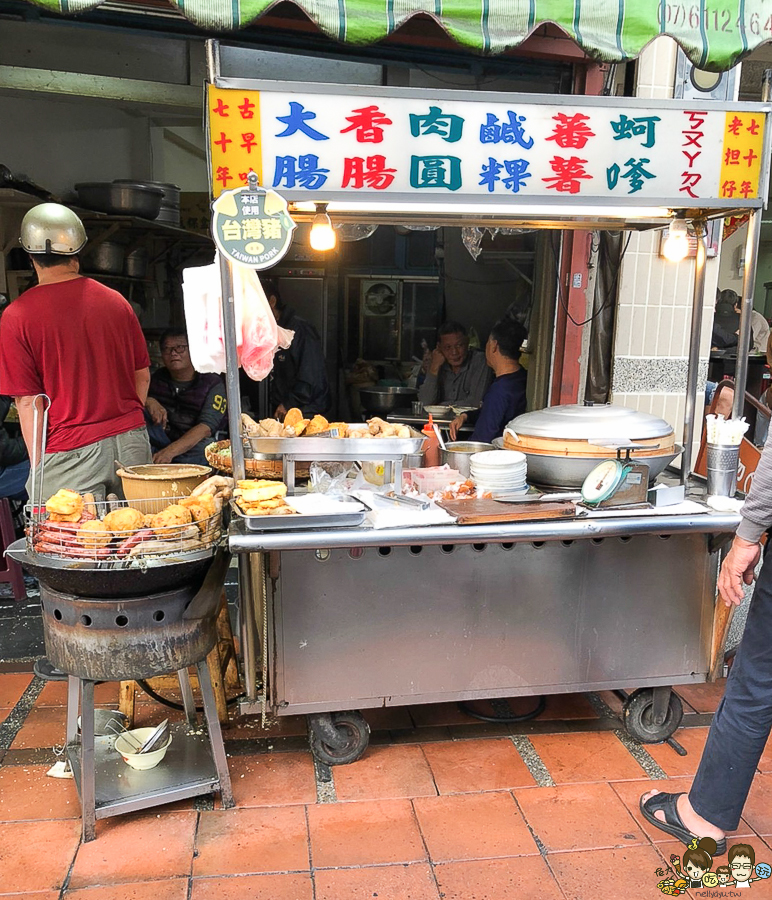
617 482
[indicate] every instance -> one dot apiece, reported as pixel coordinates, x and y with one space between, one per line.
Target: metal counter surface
243 541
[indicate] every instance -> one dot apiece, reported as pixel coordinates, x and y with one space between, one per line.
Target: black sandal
46 670
673 825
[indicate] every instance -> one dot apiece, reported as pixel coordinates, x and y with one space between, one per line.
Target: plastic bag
258 336
329 477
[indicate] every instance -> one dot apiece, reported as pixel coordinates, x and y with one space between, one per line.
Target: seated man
759 325
184 408
456 375
505 398
14 462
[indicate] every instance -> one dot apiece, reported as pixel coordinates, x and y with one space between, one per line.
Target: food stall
337 619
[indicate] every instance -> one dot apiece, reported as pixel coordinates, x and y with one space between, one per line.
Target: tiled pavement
441 806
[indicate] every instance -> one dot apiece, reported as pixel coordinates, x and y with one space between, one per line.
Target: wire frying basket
114 531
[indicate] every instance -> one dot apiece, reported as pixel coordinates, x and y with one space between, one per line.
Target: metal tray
301 521
343 448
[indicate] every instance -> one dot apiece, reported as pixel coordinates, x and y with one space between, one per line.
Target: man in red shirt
80 343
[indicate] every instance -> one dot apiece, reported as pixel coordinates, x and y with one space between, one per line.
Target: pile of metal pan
169 213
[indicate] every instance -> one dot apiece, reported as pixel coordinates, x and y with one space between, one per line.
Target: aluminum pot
106 258
136 263
121 199
458 454
382 401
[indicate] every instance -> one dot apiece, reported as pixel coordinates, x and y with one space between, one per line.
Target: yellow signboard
741 156
234 137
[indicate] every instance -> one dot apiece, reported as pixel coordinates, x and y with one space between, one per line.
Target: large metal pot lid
595 422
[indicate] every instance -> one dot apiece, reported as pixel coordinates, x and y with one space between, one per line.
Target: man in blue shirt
505 398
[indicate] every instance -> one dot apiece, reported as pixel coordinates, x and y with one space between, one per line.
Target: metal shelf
187 770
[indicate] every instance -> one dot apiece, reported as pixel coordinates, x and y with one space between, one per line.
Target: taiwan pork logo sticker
695 871
251 225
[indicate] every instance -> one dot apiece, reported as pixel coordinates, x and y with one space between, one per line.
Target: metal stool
10 570
108 788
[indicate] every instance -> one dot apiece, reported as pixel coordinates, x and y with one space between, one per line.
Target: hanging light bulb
677 243
322 233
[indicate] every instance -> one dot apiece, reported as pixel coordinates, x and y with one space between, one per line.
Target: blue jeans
743 720
12 480
160 439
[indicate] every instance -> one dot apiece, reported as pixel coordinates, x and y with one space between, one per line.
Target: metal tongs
407 501
158 736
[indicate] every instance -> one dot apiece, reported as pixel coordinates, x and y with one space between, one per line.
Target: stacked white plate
499 471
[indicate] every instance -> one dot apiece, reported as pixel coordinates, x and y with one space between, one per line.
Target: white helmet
52 228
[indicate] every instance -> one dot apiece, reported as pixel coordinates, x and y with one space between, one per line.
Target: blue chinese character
296 121
435 172
448 127
490 174
517 172
512 132
303 170
635 174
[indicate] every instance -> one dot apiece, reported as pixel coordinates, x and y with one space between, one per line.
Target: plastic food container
434 478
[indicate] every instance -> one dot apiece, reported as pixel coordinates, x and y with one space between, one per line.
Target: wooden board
480 512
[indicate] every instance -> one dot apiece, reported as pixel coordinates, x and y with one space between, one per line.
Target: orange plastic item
431 444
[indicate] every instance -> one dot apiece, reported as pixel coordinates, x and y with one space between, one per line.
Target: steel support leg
215 735
73 698
87 774
187 698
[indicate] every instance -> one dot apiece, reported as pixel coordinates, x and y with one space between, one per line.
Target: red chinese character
571 131
691 156
223 142
692 137
366 122
732 157
372 172
249 141
746 189
734 126
753 128
751 156
243 176
728 188
247 109
696 119
220 108
224 176
567 174
690 180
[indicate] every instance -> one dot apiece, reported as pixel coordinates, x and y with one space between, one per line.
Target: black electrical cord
172 704
611 293
525 717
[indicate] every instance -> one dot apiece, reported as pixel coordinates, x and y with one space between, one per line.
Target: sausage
134 540
150 548
60 538
71 552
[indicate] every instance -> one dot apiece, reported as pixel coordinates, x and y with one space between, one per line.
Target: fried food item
317 425
174 515
301 426
264 490
282 511
206 502
60 517
402 431
65 503
94 534
248 424
293 417
270 428
124 521
199 512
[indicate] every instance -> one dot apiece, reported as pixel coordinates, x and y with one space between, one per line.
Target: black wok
83 578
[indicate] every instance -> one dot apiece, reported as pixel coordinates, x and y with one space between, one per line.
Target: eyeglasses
178 349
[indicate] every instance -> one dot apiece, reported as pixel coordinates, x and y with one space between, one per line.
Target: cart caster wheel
338 738
637 715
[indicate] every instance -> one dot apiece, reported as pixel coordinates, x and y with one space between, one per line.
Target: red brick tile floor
440 807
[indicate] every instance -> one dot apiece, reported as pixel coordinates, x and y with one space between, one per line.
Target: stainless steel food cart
337 620
357 618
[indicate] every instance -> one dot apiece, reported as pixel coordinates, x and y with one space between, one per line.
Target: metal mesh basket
127 529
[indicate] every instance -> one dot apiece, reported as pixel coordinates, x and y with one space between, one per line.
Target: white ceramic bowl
442 411
499 459
140 760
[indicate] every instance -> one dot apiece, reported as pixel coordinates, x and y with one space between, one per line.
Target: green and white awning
714 34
